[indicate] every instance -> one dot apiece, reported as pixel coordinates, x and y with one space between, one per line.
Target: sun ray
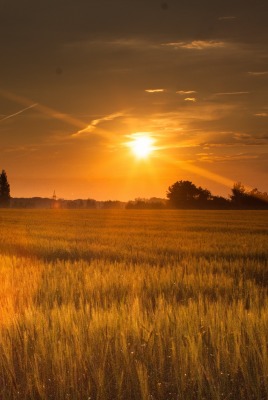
205 173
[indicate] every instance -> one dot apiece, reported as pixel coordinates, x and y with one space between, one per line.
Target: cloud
258 73
242 136
197 44
183 92
187 126
93 125
20 149
227 18
155 90
233 139
192 99
18 112
221 158
108 43
263 114
231 93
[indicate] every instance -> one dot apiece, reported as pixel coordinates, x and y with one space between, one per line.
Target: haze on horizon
81 80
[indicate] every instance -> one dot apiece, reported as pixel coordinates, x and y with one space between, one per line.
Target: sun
141 145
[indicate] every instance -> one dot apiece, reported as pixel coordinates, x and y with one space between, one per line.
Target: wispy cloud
191 99
231 93
197 44
262 114
241 136
111 43
93 125
258 73
210 158
20 149
227 18
18 112
233 139
184 92
155 90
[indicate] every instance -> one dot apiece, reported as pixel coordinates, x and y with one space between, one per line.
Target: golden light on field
141 145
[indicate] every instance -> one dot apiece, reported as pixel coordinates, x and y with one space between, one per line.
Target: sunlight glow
141 145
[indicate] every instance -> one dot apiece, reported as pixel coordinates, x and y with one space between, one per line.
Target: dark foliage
146 204
185 195
4 190
248 200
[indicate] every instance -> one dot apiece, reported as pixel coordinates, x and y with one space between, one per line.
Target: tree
239 195
184 194
251 200
259 199
4 190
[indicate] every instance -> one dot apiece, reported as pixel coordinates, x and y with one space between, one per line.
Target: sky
81 79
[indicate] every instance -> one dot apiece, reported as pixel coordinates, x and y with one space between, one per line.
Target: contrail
93 125
19 112
57 115
43 109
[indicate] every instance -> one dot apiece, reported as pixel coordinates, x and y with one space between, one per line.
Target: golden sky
82 80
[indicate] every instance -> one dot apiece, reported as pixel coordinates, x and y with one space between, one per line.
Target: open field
133 305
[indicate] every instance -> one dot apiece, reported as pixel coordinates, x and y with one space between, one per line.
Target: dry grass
133 305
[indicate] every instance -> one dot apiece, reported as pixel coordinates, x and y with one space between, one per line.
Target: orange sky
79 82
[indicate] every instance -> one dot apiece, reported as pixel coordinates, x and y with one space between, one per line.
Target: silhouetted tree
253 199
260 199
184 194
239 195
4 190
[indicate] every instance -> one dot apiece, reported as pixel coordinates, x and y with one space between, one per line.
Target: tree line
181 195
186 195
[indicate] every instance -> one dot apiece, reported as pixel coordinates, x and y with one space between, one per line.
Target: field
152 305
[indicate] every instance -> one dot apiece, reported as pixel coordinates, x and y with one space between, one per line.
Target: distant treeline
180 195
153 203
186 195
41 202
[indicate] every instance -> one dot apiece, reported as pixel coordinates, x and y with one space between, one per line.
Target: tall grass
133 305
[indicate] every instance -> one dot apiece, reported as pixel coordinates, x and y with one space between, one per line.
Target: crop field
133 305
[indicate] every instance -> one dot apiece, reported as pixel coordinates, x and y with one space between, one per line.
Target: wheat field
133 305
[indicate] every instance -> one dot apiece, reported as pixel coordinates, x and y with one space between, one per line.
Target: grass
133 305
